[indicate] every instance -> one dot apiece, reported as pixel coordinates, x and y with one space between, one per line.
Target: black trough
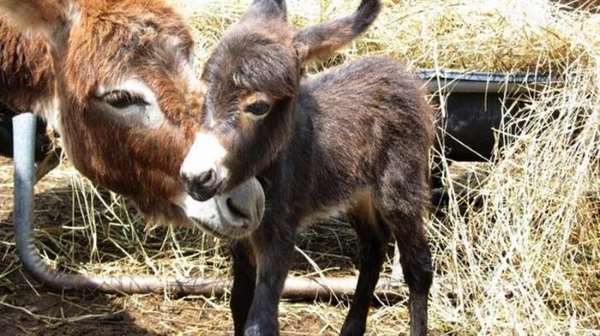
474 107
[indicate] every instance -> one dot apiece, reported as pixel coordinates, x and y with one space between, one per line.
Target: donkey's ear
52 17
321 40
267 8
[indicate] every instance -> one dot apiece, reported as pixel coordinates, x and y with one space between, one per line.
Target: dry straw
517 250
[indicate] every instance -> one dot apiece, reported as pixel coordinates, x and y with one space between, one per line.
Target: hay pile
502 36
516 252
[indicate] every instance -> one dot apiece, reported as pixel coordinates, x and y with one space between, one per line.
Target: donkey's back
373 105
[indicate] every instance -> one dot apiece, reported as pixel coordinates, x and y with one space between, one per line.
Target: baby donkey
355 138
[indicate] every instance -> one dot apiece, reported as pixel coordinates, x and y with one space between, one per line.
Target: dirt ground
26 308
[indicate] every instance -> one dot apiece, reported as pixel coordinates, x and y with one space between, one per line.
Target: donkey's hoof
257 330
352 328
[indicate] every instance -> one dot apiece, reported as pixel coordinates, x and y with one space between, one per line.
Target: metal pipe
24 138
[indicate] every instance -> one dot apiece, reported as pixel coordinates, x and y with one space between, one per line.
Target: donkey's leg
372 238
417 268
244 277
401 201
273 245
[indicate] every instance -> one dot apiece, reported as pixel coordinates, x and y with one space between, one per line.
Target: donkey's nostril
207 178
201 186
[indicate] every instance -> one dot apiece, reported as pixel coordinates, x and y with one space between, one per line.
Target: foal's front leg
244 278
273 245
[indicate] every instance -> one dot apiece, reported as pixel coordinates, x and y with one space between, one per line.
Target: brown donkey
355 138
115 79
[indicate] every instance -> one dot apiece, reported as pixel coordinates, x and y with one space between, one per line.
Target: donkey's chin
233 215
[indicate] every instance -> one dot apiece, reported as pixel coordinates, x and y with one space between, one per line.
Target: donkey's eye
259 109
122 99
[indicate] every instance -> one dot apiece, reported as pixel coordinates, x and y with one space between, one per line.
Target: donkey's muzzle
233 214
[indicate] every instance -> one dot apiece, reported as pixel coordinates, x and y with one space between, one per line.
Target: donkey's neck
306 177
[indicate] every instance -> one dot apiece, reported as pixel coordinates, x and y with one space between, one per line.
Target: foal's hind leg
372 237
417 268
402 201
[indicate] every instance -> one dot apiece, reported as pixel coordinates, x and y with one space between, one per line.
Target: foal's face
251 81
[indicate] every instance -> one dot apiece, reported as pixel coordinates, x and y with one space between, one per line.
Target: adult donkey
114 78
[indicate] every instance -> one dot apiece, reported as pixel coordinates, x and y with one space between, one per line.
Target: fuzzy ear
267 8
321 40
52 17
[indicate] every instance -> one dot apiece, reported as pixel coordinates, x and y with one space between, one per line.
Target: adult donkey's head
130 105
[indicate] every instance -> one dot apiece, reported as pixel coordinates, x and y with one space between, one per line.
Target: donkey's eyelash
122 99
